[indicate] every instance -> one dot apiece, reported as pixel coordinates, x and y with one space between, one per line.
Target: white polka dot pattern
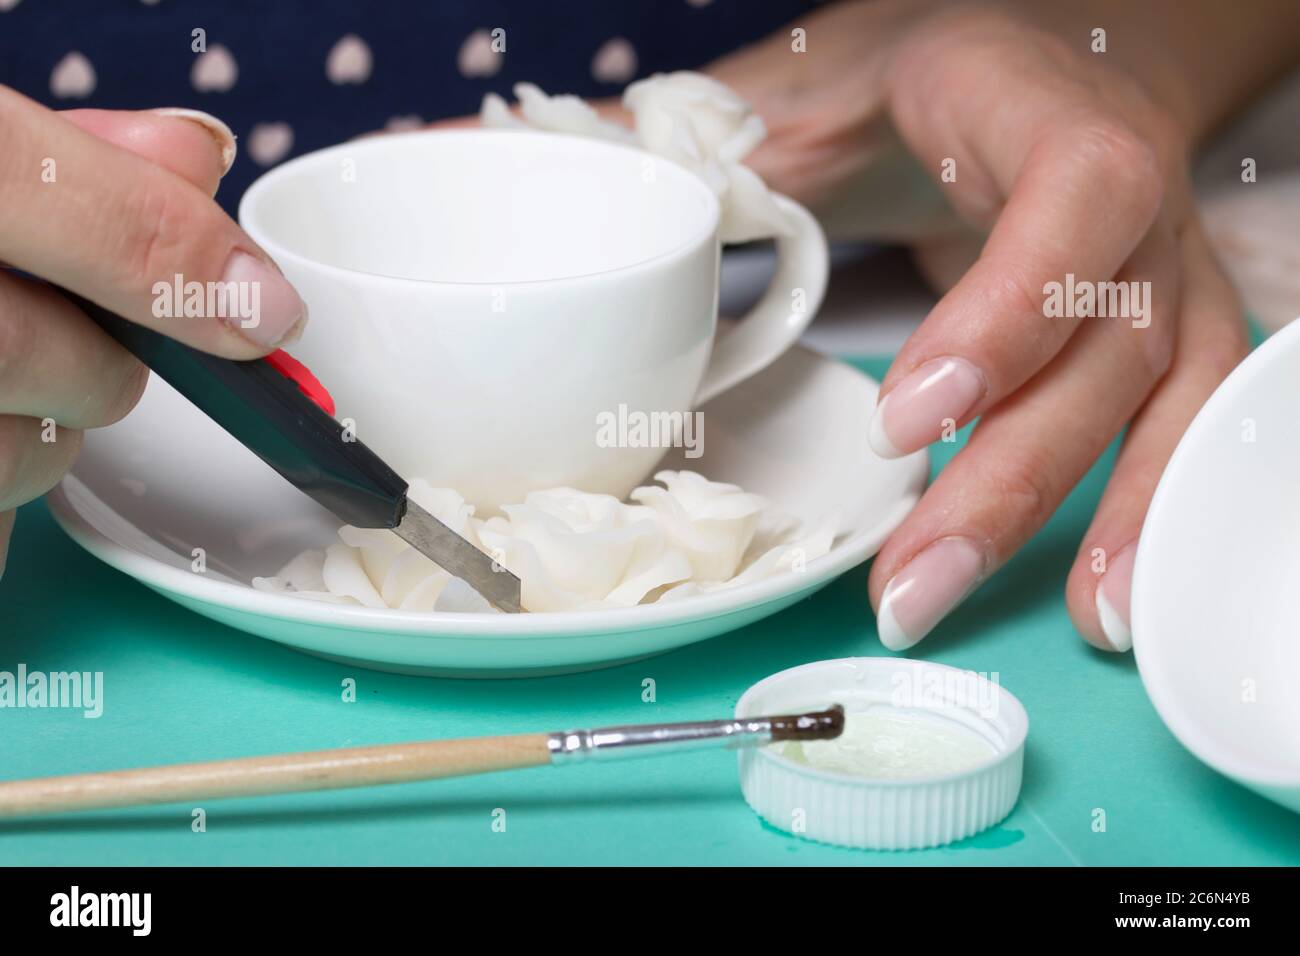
477 58
349 62
73 78
269 143
614 62
214 71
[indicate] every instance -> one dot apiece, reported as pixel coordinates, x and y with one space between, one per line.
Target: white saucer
149 490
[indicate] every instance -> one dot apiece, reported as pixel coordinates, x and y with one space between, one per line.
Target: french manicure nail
216 129
915 412
926 589
1113 592
278 312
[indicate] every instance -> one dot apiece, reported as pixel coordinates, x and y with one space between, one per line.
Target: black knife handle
268 414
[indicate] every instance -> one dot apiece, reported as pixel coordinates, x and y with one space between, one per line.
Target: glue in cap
930 754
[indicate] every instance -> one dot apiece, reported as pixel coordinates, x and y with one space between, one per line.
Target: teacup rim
281 253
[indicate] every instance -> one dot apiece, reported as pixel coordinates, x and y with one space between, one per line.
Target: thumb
194 145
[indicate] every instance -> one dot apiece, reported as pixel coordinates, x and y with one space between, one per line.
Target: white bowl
1216 587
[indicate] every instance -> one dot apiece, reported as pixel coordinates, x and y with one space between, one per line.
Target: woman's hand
107 204
1014 162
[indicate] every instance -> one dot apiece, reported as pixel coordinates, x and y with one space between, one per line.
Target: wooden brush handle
282 773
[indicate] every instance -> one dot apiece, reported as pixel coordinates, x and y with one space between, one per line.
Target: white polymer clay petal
589 565
459 598
687 589
377 548
495 113
669 133
724 545
805 545
693 490
714 522
408 571
729 508
716 114
714 547
748 209
666 508
426 592
302 577
565 114
325 597
304 572
655 564
538 591
579 539
272 585
580 511
344 574
743 140
774 529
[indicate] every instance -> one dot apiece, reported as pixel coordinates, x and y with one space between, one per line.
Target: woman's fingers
194 145
82 210
1211 341
119 229
55 363
1072 186
6 531
1023 459
1068 226
33 457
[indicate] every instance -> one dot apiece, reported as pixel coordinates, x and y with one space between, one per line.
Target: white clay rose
556 114
712 522
686 117
701 124
572 549
376 568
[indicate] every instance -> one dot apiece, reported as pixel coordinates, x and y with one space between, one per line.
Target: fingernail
1113 592
937 394
216 128
926 589
278 313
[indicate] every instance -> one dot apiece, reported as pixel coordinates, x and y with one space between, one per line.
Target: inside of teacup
480 206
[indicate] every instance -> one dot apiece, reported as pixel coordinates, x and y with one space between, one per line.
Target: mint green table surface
179 687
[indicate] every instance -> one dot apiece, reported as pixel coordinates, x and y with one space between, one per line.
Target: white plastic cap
894 813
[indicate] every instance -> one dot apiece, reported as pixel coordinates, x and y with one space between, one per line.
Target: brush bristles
820 725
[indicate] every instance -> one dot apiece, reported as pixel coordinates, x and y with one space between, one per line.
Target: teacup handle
777 321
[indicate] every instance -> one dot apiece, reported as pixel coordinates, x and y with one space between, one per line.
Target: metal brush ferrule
616 743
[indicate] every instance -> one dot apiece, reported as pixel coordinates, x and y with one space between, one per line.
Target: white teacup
484 302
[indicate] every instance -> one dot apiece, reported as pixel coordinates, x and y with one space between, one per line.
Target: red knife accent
301 375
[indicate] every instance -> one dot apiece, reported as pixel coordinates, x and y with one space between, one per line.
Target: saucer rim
842 557
853 550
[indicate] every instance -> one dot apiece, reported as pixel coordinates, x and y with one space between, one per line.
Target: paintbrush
398 763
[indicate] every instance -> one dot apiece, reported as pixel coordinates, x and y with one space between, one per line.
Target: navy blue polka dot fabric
290 76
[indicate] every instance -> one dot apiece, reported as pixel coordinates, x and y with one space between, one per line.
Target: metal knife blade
453 553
